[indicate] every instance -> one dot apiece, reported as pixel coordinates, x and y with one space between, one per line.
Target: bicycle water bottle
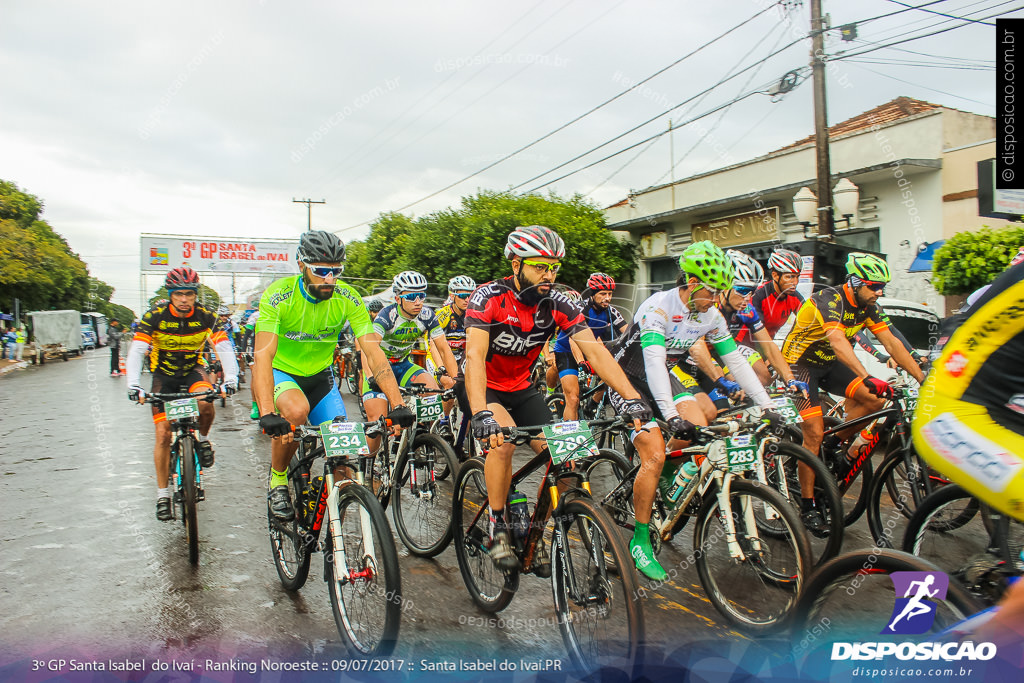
518 513
683 477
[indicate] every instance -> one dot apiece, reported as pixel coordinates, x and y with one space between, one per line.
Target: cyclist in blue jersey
605 322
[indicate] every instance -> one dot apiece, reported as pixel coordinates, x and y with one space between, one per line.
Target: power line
858 64
840 55
893 62
941 14
576 119
656 117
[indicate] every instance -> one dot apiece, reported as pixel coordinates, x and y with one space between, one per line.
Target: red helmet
601 282
182 278
534 240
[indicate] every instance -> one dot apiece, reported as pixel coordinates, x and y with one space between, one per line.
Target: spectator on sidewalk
19 342
3 343
114 331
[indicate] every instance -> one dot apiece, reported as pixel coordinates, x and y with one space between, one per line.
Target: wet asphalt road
86 568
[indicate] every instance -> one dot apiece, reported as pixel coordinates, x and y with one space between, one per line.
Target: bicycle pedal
200 494
177 497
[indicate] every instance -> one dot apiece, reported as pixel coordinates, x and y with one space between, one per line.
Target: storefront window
662 274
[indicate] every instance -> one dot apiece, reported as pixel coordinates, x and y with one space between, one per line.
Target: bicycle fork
342 572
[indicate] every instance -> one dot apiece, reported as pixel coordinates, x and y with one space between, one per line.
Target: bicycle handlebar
371 429
208 396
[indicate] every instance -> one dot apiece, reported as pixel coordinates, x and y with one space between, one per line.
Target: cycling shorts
683 389
320 390
961 440
526 406
835 378
405 372
566 364
192 382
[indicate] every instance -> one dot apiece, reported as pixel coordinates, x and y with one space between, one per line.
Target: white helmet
461 283
746 271
409 281
785 261
534 240
223 310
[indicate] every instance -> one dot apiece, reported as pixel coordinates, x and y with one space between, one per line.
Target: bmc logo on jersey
514 345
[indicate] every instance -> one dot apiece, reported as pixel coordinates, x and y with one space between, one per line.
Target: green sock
278 478
643 554
642 535
255 412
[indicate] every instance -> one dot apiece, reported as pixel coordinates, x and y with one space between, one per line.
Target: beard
530 293
319 292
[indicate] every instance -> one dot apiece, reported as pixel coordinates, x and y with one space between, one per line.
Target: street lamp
845 199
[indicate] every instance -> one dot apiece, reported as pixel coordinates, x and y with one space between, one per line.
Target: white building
915 166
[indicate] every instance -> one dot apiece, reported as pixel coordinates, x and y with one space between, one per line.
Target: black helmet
374 306
320 246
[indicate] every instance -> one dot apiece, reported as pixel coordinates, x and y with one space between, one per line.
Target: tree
970 260
470 240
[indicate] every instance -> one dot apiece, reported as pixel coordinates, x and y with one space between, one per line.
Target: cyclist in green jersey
400 326
300 318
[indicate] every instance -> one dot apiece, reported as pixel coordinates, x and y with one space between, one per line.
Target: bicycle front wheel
753 579
948 530
291 553
189 495
362 575
595 589
422 505
491 589
852 595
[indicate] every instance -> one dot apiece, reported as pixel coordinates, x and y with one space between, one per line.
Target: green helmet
707 263
868 267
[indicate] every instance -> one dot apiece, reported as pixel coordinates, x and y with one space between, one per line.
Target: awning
923 262
4 316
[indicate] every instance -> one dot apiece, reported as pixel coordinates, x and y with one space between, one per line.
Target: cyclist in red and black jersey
507 323
778 299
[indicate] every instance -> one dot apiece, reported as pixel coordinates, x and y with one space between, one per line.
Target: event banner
218 254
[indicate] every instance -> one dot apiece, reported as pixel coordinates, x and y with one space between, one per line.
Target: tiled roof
900 108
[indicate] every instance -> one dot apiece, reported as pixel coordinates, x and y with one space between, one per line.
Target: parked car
88 336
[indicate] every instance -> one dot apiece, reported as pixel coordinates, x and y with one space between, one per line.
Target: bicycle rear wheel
852 595
596 601
901 477
187 485
491 589
423 510
758 592
291 553
781 464
947 530
363 581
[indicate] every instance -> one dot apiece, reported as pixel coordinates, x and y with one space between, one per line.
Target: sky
208 119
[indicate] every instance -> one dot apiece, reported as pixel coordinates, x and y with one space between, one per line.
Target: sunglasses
743 290
324 271
414 296
874 286
543 267
463 295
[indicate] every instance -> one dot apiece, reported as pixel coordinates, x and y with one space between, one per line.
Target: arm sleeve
133 364
656 365
226 355
862 341
747 379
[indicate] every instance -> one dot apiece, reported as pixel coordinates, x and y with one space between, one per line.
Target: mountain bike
405 474
592 409
592 577
752 553
182 411
346 365
968 540
360 558
906 480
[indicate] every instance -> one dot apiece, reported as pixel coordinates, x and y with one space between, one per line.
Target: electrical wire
577 118
919 85
941 14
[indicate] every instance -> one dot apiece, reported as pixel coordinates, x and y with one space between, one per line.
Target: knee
163 435
296 417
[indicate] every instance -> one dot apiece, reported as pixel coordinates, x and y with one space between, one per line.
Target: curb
7 367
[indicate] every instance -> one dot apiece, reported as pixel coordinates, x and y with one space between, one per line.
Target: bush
970 260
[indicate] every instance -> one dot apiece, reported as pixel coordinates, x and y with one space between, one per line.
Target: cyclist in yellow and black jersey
178 333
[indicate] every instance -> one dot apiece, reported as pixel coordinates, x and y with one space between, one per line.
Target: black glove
637 409
275 425
682 429
229 388
402 416
134 393
879 388
775 421
484 425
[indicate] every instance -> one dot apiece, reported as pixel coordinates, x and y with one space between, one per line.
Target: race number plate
344 439
429 408
785 407
910 399
569 441
740 453
181 409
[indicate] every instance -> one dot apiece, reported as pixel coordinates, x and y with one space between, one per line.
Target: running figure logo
915 611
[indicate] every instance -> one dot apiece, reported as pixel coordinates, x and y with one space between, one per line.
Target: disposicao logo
915 611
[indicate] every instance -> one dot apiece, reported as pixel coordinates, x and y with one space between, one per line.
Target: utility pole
309 210
824 168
